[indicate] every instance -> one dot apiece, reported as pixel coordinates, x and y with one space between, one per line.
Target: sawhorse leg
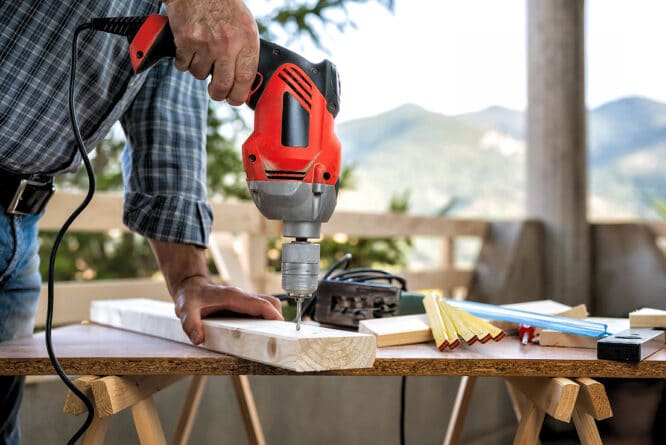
460 408
583 400
248 410
592 404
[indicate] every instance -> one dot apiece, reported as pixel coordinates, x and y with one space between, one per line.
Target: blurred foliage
659 206
308 18
84 256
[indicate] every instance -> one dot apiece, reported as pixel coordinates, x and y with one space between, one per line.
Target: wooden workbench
98 350
533 374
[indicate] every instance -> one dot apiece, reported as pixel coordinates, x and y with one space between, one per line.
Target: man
163 113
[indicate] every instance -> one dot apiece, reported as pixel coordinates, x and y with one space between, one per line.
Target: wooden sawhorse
112 394
583 399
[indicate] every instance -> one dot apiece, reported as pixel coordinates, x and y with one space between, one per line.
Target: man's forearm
179 262
185 270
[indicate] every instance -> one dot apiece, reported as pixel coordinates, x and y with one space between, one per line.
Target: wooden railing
252 230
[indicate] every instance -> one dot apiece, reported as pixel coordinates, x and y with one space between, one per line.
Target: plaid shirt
162 111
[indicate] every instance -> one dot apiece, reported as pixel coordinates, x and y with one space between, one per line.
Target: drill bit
299 304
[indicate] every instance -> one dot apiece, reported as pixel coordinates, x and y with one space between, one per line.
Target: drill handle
154 40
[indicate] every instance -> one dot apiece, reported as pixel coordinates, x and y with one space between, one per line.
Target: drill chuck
300 268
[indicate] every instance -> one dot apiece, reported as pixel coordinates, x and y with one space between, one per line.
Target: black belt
25 194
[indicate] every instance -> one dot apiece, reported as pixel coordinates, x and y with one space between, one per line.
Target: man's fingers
201 66
277 304
194 303
246 71
256 306
223 79
192 326
184 58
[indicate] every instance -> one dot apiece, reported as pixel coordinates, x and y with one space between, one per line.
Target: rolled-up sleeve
164 162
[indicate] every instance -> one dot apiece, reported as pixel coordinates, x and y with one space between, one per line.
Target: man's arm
217 37
186 273
164 168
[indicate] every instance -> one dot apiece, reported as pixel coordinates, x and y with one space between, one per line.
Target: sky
458 56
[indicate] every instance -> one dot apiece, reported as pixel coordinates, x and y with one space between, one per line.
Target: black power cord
54 250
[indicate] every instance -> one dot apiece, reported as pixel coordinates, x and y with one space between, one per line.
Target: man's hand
217 37
186 273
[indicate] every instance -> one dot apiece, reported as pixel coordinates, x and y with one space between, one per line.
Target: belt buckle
41 193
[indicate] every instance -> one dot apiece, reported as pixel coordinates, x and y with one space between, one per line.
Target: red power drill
292 158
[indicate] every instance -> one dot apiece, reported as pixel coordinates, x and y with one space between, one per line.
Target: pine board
275 343
648 318
549 337
549 307
400 330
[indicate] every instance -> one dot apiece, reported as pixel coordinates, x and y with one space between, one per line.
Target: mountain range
474 164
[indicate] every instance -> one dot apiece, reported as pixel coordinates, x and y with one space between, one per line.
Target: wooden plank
549 337
101 350
400 330
188 412
73 298
113 394
74 405
592 399
548 307
276 343
647 318
556 396
104 213
255 434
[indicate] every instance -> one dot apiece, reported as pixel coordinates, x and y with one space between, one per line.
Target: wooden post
556 138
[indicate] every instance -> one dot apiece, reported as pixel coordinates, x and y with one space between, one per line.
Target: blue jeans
20 283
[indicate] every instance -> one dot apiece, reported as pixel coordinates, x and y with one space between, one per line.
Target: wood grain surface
98 350
272 342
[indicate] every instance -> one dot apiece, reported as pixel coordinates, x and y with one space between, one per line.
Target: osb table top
99 350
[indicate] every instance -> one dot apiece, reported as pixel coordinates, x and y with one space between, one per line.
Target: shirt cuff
168 218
